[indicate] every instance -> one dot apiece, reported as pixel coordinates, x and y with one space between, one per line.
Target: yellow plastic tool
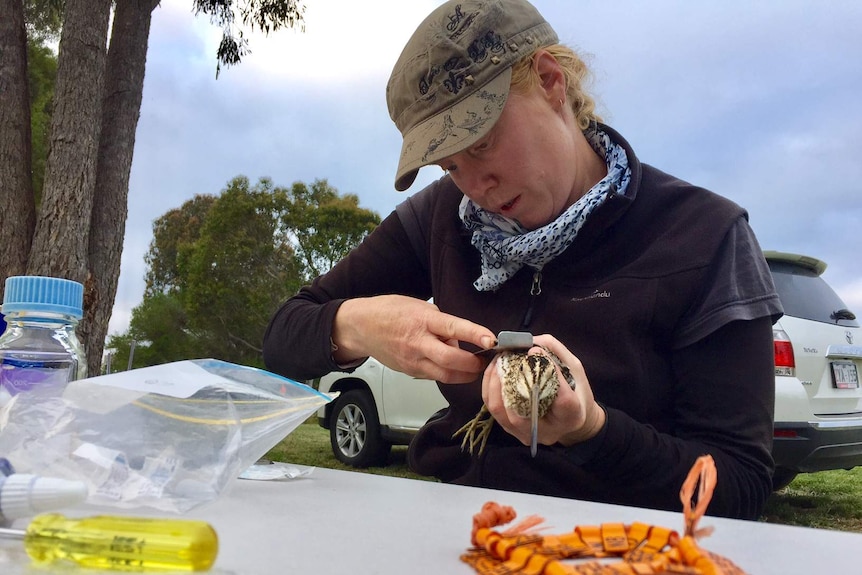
120 543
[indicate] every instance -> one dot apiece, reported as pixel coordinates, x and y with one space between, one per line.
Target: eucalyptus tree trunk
62 230
17 205
124 86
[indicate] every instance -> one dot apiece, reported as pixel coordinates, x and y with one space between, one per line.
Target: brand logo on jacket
594 295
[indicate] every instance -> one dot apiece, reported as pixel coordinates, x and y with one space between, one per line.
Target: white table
349 522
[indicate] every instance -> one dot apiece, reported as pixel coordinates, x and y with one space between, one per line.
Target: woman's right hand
409 335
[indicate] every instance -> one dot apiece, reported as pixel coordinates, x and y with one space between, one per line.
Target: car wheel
355 431
782 478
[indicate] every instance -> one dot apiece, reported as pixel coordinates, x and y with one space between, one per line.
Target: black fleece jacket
664 296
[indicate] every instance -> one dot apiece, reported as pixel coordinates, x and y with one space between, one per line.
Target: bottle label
17 375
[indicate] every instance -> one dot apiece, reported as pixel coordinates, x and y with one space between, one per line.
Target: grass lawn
826 500
308 444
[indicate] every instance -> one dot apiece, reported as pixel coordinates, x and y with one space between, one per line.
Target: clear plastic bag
171 437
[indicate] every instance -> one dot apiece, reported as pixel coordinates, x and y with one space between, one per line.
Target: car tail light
785 364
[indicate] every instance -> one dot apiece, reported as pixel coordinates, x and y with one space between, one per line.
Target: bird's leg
476 431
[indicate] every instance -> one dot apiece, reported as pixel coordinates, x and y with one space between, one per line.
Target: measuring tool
120 543
508 341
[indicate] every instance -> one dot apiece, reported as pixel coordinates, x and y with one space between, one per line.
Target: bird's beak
534 420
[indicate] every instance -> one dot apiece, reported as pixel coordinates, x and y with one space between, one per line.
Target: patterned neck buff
506 246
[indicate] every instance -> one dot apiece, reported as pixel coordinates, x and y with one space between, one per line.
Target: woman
652 291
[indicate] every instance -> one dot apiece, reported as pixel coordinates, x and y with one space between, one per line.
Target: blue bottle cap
43 294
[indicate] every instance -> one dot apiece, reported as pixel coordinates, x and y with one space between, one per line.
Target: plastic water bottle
39 345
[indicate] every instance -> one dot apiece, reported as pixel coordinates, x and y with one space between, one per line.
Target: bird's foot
476 431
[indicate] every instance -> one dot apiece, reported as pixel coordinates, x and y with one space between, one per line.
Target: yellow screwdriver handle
123 543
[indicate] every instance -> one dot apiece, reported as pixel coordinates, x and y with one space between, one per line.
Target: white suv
377 408
818 359
818 399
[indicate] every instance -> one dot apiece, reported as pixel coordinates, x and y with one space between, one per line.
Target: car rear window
806 295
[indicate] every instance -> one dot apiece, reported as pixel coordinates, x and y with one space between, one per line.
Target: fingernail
487 341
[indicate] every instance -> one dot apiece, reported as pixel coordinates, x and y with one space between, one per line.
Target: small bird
530 385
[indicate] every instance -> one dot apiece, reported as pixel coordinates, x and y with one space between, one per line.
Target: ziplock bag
170 437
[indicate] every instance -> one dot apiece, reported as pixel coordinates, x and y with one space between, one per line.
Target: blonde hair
576 73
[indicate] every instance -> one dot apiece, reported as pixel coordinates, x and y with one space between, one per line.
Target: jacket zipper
535 291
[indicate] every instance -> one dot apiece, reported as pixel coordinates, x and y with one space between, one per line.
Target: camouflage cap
450 83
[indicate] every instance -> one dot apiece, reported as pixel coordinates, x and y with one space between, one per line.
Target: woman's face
527 167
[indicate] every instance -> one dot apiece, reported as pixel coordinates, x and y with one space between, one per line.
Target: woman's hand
573 417
409 335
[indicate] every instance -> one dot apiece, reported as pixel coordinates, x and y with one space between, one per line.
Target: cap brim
453 129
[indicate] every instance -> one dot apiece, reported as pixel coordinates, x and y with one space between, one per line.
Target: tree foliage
321 225
44 19
218 267
173 233
264 15
162 323
41 74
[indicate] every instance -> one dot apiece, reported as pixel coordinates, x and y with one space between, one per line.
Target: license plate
844 375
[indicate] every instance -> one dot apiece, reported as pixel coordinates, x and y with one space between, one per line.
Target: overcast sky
758 101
